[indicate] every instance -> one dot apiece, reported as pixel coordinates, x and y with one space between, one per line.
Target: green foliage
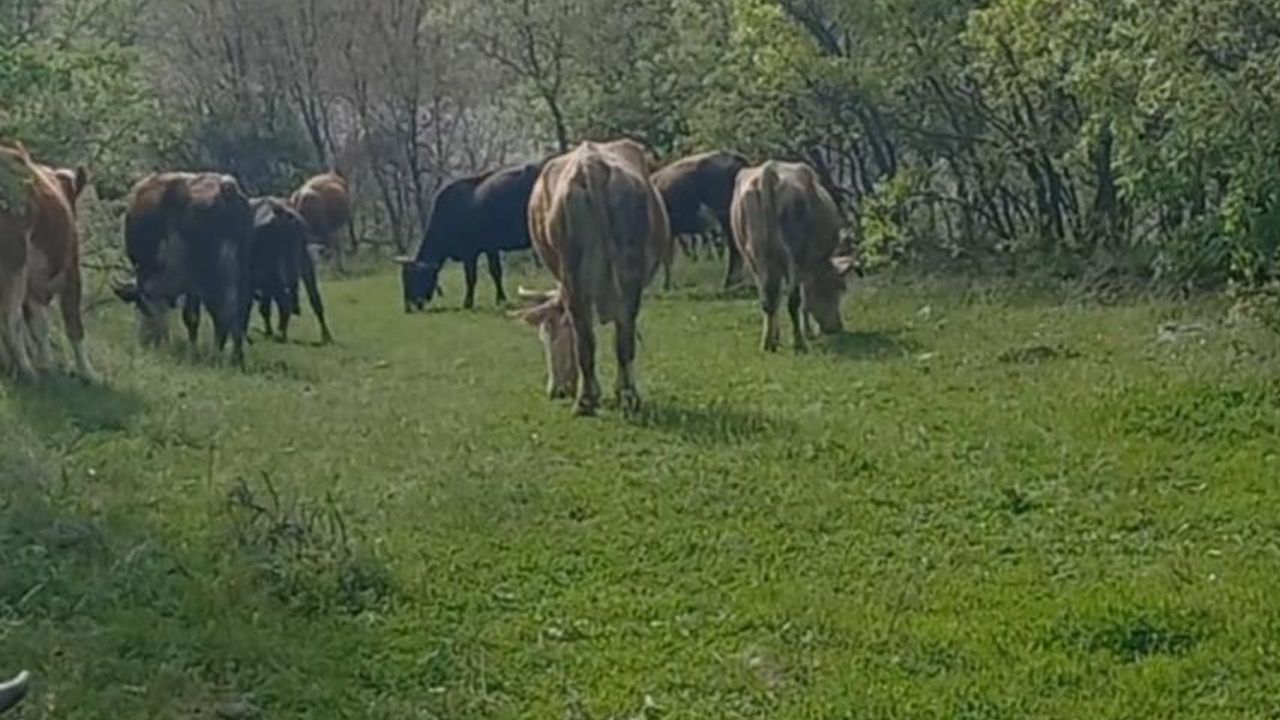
84 104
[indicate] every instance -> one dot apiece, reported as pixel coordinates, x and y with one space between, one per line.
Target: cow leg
285 305
13 328
585 338
36 315
733 275
191 318
667 262
795 306
770 299
307 270
627 390
495 271
264 309
73 322
469 266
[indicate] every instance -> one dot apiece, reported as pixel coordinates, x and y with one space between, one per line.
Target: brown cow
324 202
39 260
697 183
788 228
601 228
188 237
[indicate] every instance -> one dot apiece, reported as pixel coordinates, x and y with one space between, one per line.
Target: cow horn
404 260
845 264
536 295
126 290
12 692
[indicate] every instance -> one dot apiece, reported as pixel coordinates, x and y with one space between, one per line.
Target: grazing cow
13 691
278 260
39 260
188 236
702 181
788 228
324 202
601 228
481 215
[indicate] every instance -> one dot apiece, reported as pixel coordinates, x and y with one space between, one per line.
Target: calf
481 215
324 202
188 236
699 182
39 260
787 226
602 230
278 260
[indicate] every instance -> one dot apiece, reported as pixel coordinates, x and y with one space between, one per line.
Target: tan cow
602 230
788 228
324 202
39 260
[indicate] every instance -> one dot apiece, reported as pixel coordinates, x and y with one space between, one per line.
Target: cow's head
546 312
823 290
152 311
421 282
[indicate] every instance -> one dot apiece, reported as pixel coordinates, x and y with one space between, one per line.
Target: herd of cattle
598 217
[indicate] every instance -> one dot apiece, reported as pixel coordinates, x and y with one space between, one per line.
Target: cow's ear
539 315
82 180
845 264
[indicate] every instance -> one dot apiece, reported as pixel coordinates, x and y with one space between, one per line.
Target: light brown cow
324 202
39 260
788 228
602 230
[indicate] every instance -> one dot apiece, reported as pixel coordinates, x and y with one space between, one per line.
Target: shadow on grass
258 361
714 424
870 345
60 403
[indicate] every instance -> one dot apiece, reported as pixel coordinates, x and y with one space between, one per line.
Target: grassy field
977 504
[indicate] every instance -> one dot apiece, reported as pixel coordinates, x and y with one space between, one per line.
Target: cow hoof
326 339
585 407
629 401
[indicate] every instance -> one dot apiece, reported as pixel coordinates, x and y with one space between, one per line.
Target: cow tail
772 219
610 294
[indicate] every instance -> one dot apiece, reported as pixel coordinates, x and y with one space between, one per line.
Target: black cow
482 215
278 260
705 180
188 236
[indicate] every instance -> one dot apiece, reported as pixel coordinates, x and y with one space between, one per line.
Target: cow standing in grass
324 202
480 215
602 230
278 261
697 184
788 228
188 237
39 261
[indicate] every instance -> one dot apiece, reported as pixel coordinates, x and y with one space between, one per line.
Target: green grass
978 504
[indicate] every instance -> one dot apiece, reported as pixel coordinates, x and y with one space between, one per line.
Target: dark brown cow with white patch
601 228
39 261
788 228
324 202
